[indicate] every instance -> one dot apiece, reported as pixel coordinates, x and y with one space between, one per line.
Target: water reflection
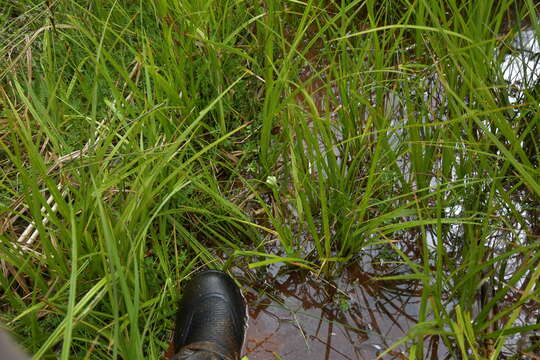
521 68
294 315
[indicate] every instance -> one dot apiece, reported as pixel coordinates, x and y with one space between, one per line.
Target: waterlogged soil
297 316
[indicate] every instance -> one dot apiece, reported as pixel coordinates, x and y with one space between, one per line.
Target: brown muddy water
294 315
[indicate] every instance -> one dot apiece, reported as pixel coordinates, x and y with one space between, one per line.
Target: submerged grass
137 138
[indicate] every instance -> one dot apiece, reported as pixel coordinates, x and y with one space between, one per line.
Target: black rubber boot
211 320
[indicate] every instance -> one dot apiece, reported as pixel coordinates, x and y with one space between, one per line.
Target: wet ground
294 316
298 316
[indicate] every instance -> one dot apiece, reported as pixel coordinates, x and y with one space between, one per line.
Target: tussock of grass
164 130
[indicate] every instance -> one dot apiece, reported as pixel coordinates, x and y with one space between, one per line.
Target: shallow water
294 316
521 67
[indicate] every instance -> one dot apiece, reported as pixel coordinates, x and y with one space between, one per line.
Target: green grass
202 131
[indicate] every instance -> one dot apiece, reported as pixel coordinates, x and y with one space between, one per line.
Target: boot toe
212 310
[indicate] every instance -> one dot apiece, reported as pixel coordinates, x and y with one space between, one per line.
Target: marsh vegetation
388 148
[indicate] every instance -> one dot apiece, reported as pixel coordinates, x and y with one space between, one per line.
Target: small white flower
271 180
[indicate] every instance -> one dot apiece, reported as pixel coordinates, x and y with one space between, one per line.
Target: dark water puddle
294 316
